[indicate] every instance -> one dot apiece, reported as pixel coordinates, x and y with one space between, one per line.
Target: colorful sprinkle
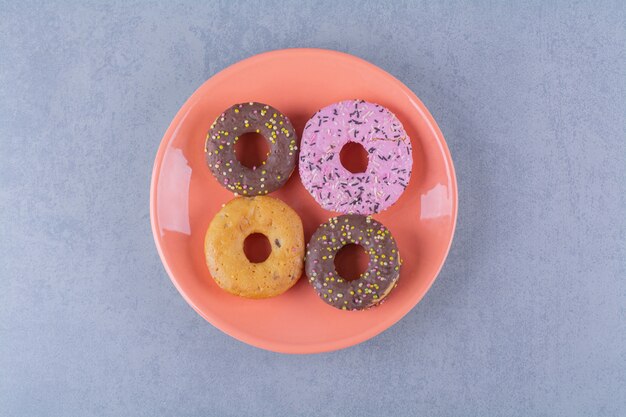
389 154
374 284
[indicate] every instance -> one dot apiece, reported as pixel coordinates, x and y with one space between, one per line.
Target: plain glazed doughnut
227 262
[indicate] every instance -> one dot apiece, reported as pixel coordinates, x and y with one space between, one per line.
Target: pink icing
389 152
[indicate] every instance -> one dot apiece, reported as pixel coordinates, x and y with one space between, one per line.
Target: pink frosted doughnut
389 150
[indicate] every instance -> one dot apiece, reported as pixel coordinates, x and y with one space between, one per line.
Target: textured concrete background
528 316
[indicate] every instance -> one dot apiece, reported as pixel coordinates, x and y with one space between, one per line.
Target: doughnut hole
354 157
351 261
257 248
252 149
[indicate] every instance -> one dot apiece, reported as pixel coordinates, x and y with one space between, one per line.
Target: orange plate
184 198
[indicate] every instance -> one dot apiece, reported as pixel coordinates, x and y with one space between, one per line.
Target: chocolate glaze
247 118
374 284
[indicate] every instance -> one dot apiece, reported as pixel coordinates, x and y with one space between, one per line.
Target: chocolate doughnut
374 284
248 118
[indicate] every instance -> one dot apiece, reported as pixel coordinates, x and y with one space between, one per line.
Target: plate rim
283 347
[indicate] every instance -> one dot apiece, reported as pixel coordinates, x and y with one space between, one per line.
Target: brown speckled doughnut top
248 118
374 284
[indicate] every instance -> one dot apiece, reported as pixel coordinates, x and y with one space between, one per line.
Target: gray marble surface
527 318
